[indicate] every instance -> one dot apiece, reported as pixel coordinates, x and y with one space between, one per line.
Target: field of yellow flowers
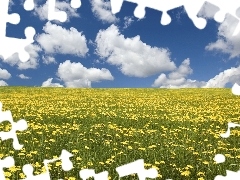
175 131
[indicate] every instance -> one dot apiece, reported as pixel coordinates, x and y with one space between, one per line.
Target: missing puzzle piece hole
29 33
27 170
8 162
166 19
22 125
14 18
199 22
139 12
29 5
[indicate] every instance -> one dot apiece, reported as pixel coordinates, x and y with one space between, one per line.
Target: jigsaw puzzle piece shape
137 167
228 132
13 18
9 46
192 8
14 45
225 8
21 125
139 12
5 163
87 173
67 164
55 15
116 5
160 5
231 7
165 7
28 171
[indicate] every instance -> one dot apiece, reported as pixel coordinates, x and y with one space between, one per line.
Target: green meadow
176 131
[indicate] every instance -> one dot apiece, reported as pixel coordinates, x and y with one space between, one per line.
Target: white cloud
4 74
3 83
134 57
231 75
48 60
48 83
76 75
226 42
102 10
57 39
177 78
42 10
33 50
127 22
22 76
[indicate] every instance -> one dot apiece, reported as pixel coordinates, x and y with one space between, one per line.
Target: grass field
175 131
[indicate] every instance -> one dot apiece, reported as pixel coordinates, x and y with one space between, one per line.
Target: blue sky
95 48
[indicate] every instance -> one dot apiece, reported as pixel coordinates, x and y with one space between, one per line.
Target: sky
98 49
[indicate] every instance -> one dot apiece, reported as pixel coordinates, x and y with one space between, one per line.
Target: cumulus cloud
48 83
177 78
231 75
22 76
131 55
227 43
76 75
102 10
32 63
42 10
57 39
4 74
3 83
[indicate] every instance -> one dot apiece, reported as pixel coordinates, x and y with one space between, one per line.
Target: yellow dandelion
200 173
130 147
186 173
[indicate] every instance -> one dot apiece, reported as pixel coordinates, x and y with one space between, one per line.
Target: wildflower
22 175
185 173
205 162
200 173
58 163
130 147
71 178
7 174
79 159
75 151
